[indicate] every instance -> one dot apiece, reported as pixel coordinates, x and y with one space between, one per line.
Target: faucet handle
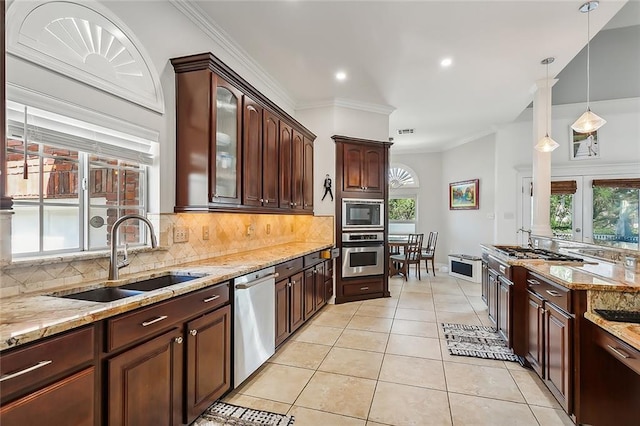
125 259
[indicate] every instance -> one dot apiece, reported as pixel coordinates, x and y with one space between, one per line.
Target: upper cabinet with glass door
225 181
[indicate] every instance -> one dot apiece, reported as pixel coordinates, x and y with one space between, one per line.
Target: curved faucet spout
113 235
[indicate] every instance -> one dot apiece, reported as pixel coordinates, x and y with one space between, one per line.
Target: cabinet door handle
211 299
153 321
193 332
178 340
266 201
261 200
25 371
293 281
533 282
364 288
553 293
291 204
619 352
290 284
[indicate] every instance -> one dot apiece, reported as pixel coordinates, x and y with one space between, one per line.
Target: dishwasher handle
250 284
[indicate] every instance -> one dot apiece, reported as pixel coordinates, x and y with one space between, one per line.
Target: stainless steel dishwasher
254 327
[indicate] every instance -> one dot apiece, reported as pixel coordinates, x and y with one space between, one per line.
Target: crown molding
348 103
204 22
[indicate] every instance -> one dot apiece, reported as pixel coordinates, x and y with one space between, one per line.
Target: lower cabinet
485 281
492 296
145 383
505 296
535 332
558 358
289 306
170 360
69 401
208 374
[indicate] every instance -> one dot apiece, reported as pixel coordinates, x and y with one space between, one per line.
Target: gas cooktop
531 253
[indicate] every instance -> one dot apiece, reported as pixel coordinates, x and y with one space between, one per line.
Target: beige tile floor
385 362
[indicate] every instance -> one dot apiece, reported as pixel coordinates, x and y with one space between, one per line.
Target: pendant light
588 122
546 144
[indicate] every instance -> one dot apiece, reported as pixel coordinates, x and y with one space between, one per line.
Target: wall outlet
249 230
180 234
268 228
205 232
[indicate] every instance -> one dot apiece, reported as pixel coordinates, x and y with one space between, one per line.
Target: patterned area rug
476 341
221 413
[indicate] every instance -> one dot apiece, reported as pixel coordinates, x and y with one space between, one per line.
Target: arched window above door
401 176
87 42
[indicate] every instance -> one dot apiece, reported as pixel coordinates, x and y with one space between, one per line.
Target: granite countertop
30 317
625 331
594 275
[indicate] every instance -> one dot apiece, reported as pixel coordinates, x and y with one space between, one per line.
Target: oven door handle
352 244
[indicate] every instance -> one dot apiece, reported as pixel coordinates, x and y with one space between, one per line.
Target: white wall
464 230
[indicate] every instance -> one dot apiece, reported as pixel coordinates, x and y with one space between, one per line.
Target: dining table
397 245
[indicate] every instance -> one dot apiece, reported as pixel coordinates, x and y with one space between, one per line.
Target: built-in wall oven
360 214
362 254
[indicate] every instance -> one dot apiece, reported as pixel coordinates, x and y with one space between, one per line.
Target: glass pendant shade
588 122
546 144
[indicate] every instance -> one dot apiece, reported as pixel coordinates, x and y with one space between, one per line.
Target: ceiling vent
405 131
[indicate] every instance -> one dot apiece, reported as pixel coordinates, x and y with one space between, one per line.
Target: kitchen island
545 310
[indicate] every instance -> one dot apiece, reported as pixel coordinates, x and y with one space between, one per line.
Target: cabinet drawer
361 288
500 267
37 363
556 294
146 322
289 268
624 353
312 259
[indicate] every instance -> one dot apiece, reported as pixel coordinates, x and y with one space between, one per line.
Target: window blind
633 183
560 187
64 132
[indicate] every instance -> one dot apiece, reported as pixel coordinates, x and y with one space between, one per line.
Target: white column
540 221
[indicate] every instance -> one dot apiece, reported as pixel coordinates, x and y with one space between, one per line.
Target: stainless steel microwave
360 213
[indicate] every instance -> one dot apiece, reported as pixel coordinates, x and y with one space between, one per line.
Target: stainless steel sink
158 282
104 294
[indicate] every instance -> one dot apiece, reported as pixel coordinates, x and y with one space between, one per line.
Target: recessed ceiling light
446 62
341 76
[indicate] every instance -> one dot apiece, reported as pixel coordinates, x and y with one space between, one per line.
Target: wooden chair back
414 247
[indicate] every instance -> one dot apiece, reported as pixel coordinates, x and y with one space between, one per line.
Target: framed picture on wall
464 195
583 146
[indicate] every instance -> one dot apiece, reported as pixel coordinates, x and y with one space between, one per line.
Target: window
402 215
561 208
615 212
68 189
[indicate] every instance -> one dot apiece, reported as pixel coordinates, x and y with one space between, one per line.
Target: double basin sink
109 294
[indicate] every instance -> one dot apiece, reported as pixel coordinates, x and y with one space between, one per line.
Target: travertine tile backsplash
227 235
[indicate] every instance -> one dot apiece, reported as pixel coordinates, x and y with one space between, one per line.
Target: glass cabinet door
226 169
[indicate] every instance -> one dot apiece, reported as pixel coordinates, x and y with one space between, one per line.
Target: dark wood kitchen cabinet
235 149
145 383
289 306
363 170
558 363
208 146
166 361
535 332
208 374
492 296
47 382
485 282
505 295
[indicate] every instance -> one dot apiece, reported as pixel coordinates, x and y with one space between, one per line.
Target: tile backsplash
228 233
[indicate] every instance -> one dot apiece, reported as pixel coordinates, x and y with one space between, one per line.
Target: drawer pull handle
25 371
211 299
533 282
502 269
619 352
153 321
193 332
553 293
364 288
290 268
178 340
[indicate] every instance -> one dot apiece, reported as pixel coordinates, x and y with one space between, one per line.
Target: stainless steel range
525 253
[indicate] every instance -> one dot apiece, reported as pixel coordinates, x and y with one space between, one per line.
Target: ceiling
391 52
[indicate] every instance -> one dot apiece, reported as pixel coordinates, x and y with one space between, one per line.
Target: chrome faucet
114 265
528 232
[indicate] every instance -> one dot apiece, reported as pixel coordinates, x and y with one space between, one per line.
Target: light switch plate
180 234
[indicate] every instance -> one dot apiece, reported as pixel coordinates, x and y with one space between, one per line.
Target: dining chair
411 255
429 252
